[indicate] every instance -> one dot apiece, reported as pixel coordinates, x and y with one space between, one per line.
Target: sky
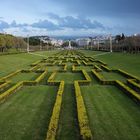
69 17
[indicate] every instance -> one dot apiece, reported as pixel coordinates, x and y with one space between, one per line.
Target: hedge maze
69 69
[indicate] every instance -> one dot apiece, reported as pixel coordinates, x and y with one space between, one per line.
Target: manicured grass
69 77
10 63
113 76
26 114
87 68
125 61
24 77
68 126
112 115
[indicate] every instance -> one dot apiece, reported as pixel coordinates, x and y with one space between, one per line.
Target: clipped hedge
98 69
4 85
126 74
134 85
34 68
78 62
98 76
53 126
41 77
73 68
127 90
35 63
51 79
65 67
85 63
87 77
106 68
85 131
10 75
101 79
10 91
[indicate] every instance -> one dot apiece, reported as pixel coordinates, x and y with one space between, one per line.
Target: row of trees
120 43
128 44
9 41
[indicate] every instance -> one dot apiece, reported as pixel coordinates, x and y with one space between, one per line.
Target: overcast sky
69 17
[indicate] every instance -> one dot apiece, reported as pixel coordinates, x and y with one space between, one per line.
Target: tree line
8 41
121 43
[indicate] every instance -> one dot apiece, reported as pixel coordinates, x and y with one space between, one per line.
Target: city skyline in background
69 18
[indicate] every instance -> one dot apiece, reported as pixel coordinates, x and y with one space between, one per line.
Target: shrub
10 75
41 77
85 131
52 130
106 68
10 91
127 90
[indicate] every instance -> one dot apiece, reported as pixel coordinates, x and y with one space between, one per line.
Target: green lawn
69 77
10 63
112 115
24 77
112 76
127 62
68 126
26 114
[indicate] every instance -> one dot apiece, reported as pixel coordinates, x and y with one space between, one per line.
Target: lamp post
28 45
98 43
110 43
40 45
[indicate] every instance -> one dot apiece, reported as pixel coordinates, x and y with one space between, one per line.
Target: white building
83 41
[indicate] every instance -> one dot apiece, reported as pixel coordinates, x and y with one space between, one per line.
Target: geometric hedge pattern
66 62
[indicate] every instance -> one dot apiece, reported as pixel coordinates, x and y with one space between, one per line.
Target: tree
2 43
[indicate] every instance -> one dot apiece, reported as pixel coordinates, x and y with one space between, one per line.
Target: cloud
78 22
98 8
45 24
61 23
3 25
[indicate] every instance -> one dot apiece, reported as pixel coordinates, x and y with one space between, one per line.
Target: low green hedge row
98 69
60 62
127 90
41 77
85 63
34 68
101 62
101 79
4 85
10 91
53 125
35 63
106 68
10 75
134 85
65 67
85 131
87 77
78 62
26 71
73 68
126 74
51 79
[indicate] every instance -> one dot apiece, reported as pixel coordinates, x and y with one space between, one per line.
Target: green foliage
9 41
